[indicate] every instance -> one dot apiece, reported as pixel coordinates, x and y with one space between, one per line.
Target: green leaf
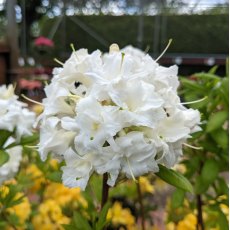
222 188
210 171
216 120
25 140
102 217
55 176
178 198
207 76
224 87
174 178
13 219
4 157
3 224
4 135
192 85
222 221
69 227
29 139
213 69
221 138
200 185
80 222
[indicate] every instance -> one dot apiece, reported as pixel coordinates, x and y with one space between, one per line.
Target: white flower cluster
113 113
14 117
13 114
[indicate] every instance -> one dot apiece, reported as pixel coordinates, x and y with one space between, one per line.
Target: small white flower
78 169
54 139
13 114
10 168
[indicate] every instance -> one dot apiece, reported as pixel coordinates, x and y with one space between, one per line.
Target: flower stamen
193 102
131 171
193 147
31 100
73 49
59 62
169 43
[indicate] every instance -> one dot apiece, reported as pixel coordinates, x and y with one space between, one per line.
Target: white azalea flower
54 139
10 168
13 114
117 113
16 118
78 169
97 124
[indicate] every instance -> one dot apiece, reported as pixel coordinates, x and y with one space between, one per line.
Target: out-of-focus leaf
80 222
4 135
25 140
200 185
29 139
55 176
216 120
222 221
191 166
13 219
69 227
222 187
3 224
178 198
210 171
192 85
221 138
102 217
207 76
4 157
174 178
224 90
213 69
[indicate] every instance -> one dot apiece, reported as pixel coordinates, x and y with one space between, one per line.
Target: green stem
200 222
105 190
140 199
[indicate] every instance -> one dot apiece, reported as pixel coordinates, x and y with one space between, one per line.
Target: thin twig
105 190
200 222
140 199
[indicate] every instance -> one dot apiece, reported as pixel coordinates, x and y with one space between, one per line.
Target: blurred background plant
206 168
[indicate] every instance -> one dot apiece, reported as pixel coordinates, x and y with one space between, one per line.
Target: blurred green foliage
190 33
207 168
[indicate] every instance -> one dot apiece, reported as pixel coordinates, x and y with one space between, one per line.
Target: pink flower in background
30 85
43 41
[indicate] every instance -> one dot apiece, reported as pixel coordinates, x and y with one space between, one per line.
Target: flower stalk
200 222
140 200
105 190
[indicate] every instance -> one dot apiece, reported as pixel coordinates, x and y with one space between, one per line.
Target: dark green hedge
190 33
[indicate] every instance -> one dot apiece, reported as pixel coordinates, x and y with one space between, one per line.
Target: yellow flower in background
49 217
121 216
37 176
21 210
63 195
160 185
170 226
145 185
4 190
188 223
54 164
225 209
